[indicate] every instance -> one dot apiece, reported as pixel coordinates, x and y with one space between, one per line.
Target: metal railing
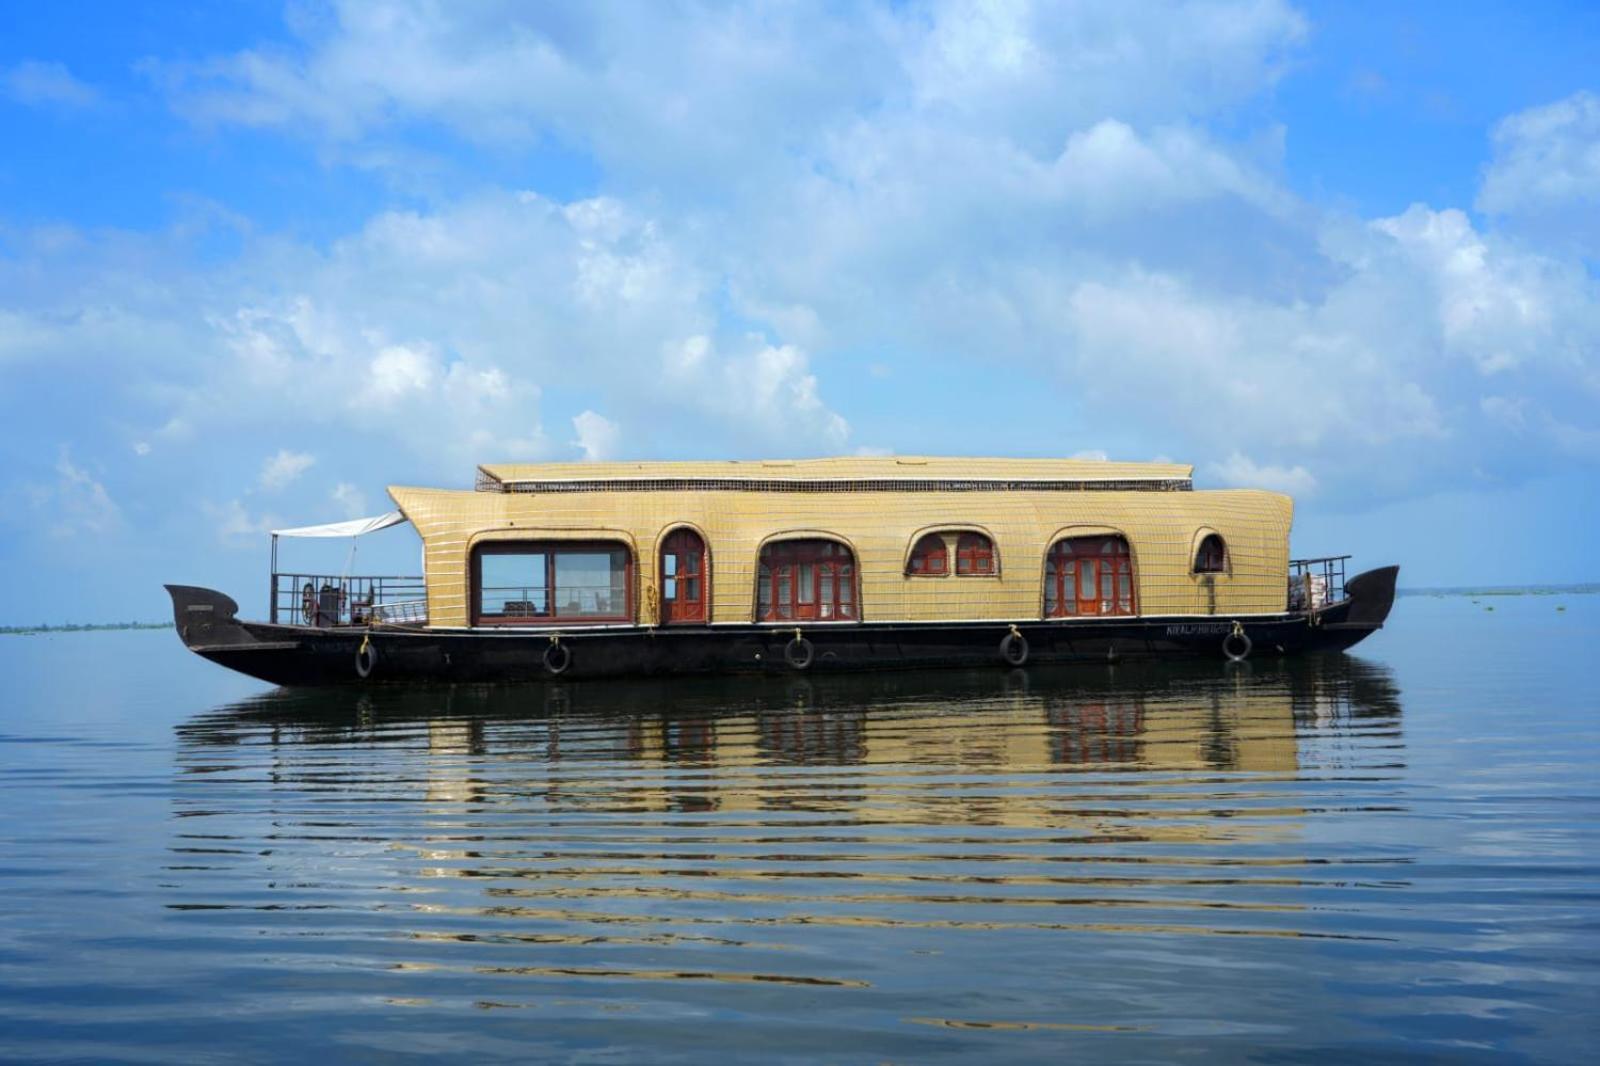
1315 583
326 600
564 601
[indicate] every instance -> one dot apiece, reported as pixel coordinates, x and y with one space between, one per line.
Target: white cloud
423 333
233 524
397 373
76 503
281 469
1029 67
351 501
983 202
712 97
766 392
597 436
1240 471
1493 306
37 83
1545 174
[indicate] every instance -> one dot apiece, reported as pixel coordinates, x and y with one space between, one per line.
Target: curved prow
206 617
1371 595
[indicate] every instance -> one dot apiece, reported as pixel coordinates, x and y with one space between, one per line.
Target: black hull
305 655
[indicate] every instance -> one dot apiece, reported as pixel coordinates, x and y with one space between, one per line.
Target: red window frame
552 615
974 556
930 557
1090 576
812 580
685 584
1212 556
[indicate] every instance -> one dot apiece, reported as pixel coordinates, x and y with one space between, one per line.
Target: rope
366 642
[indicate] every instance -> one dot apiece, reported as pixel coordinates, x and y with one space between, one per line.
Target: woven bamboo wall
1163 530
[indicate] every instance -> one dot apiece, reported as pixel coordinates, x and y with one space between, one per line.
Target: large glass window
532 583
1089 576
806 580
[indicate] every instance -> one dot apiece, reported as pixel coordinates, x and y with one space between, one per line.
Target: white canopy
354 528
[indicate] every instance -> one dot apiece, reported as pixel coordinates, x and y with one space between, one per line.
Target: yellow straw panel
1163 530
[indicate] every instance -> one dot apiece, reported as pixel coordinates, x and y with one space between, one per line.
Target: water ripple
950 865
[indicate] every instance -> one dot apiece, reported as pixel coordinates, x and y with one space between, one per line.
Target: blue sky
258 261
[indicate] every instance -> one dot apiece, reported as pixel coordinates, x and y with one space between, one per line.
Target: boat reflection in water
942 748
986 853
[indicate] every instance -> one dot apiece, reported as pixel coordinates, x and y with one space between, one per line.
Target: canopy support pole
272 591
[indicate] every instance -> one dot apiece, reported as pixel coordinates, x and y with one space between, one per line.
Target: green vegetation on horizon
1507 590
79 627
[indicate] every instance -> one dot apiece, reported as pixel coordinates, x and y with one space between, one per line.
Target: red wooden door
683 578
1089 576
806 580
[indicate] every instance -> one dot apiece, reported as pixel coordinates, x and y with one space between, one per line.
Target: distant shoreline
79 627
1587 589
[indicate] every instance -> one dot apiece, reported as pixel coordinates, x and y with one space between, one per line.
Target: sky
260 260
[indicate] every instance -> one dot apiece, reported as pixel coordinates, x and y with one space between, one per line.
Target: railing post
272 583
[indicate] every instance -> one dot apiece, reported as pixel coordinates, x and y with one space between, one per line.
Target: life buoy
308 604
557 657
799 652
1240 639
366 658
1014 647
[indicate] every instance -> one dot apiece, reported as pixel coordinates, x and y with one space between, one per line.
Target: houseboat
634 569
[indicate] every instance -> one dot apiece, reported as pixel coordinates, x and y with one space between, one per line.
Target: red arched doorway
684 592
806 580
1089 576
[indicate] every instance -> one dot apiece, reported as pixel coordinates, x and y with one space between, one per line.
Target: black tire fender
366 658
557 657
1014 648
1237 639
799 652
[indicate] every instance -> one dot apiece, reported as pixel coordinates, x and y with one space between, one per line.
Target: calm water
1393 855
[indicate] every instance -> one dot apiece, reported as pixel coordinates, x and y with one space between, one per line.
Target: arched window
1089 576
929 557
974 555
684 591
1212 558
806 580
